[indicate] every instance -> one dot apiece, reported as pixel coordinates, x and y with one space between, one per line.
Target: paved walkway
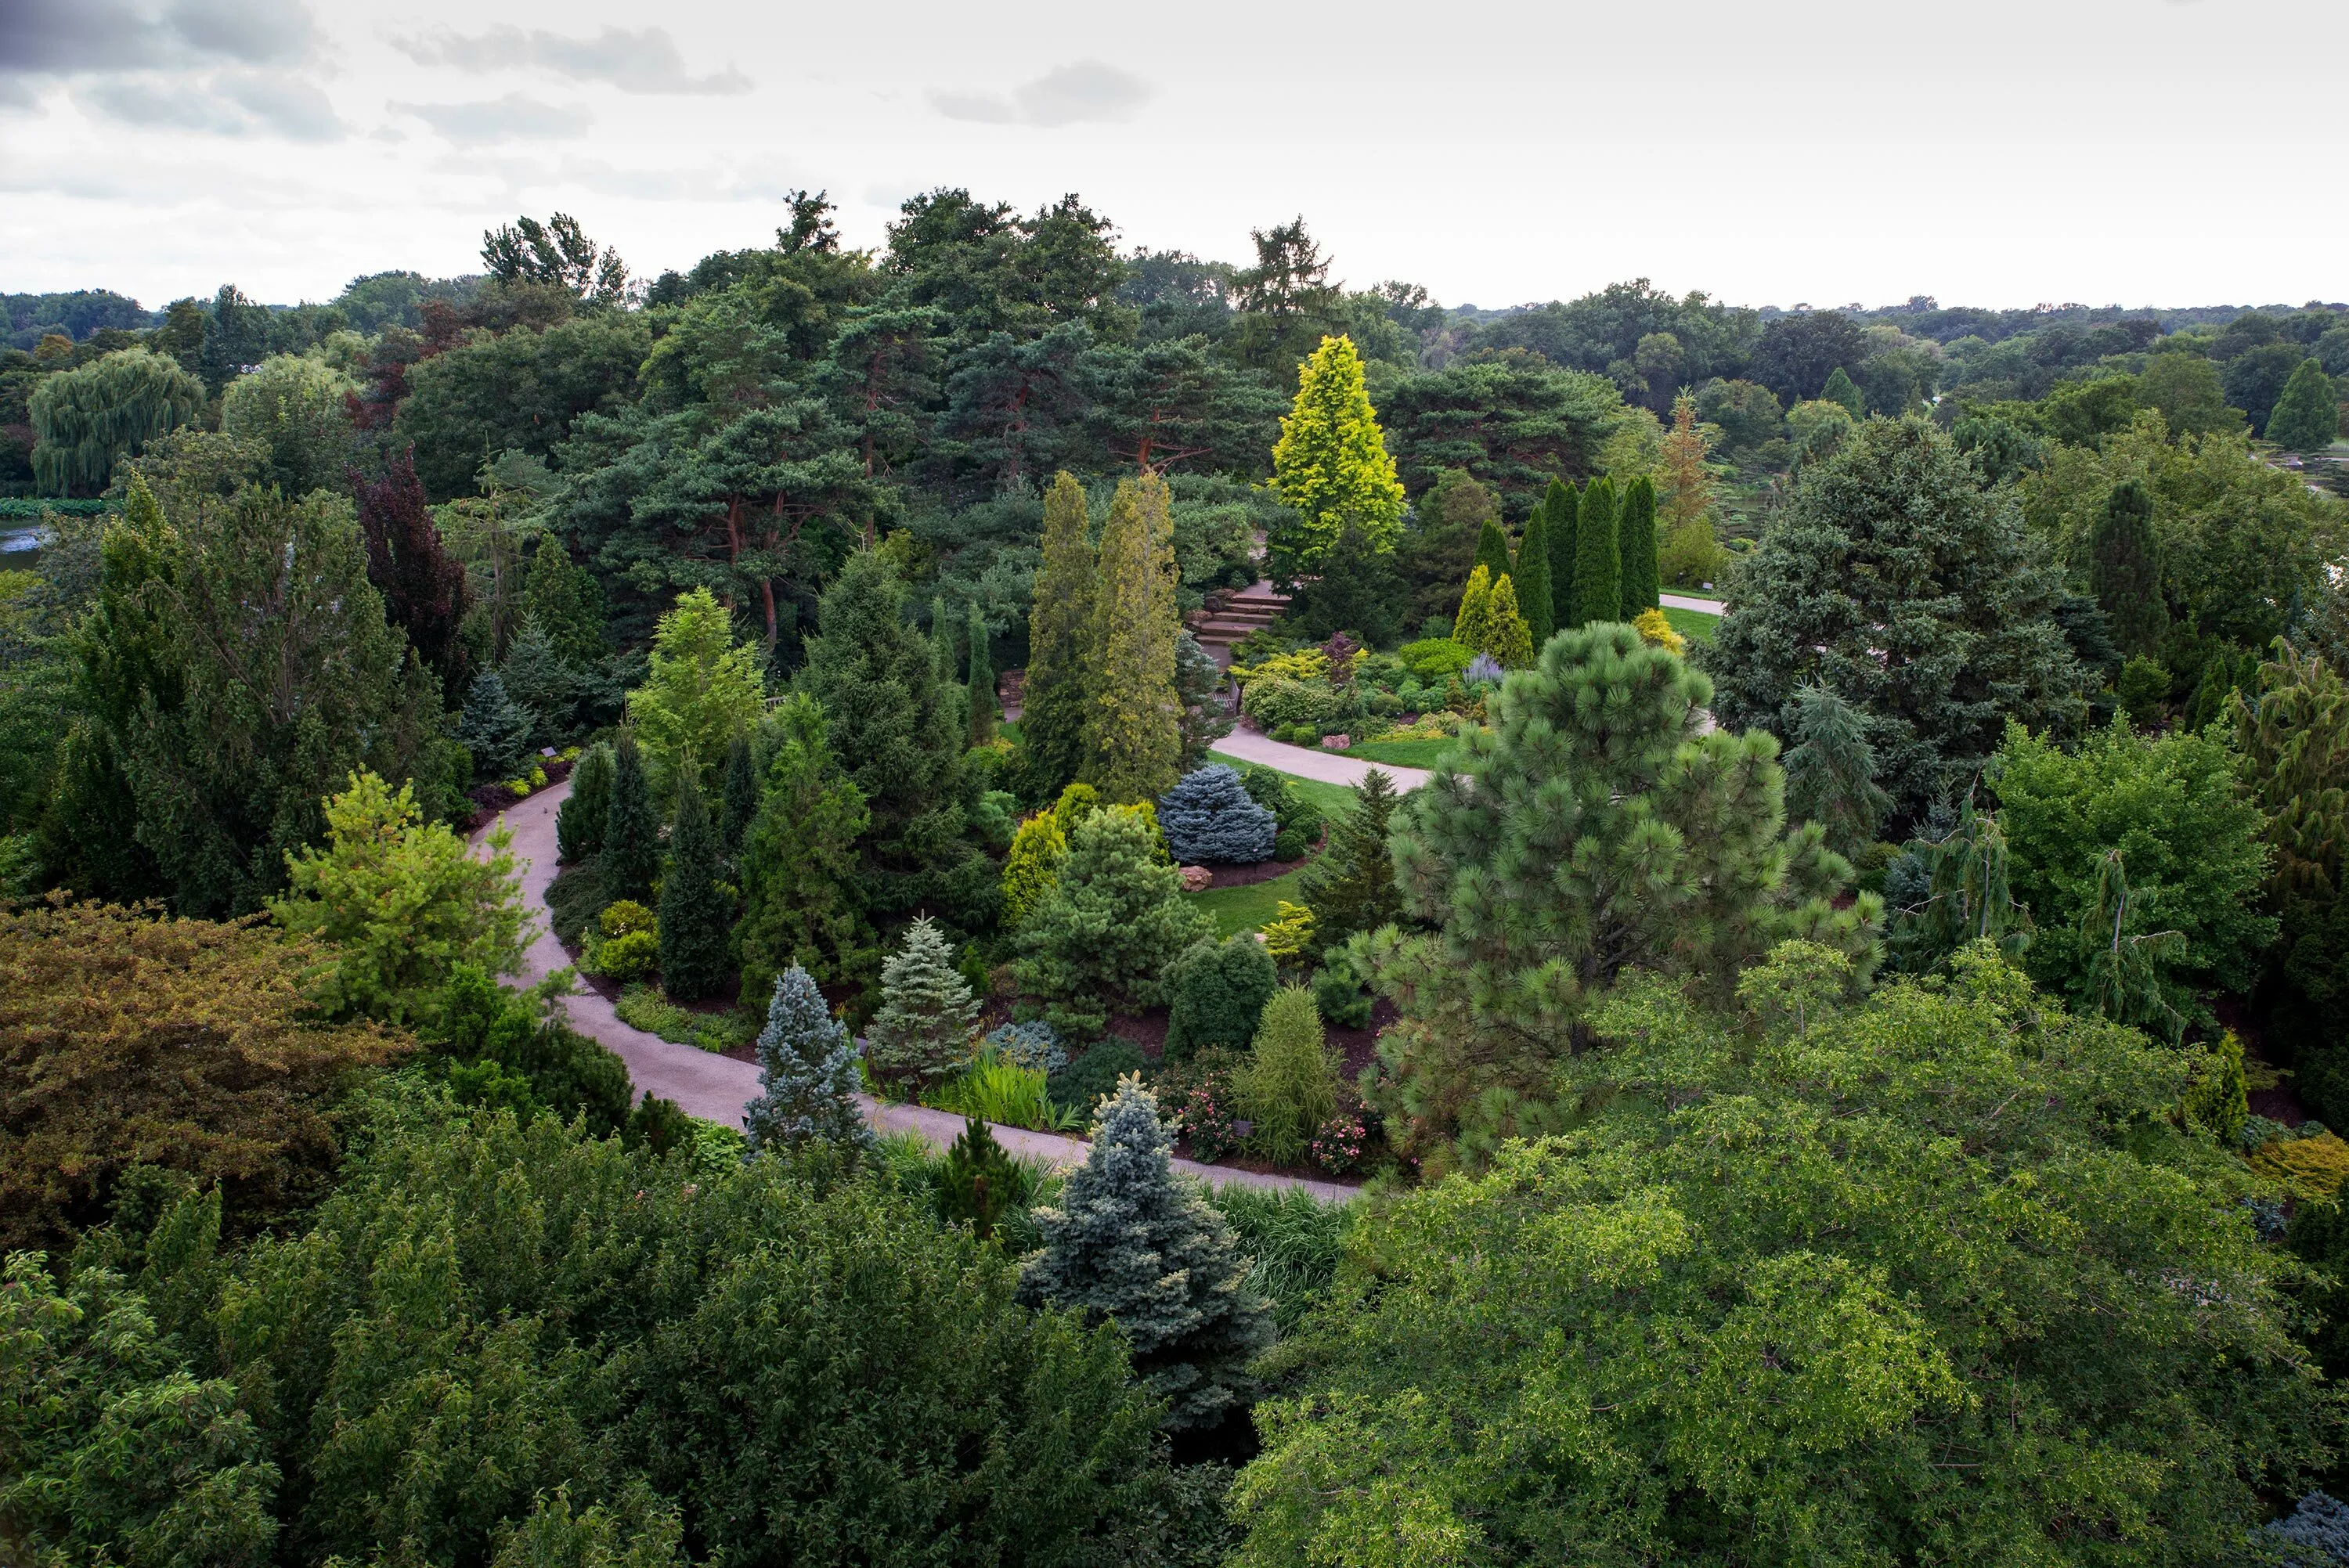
1683 601
1329 767
715 1088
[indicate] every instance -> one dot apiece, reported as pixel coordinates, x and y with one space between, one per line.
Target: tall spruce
1130 1242
741 802
1492 550
799 860
495 729
1831 772
1597 558
923 1030
1532 573
631 854
1352 887
807 1076
1057 702
2125 566
695 913
1135 741
979 677
579 825
1635 535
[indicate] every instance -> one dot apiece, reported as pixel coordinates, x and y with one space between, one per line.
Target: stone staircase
1230 617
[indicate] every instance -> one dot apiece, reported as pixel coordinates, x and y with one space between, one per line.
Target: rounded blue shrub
1208 817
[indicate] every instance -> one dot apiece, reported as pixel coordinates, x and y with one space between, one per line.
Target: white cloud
641 62
221 103
1065 95
517 117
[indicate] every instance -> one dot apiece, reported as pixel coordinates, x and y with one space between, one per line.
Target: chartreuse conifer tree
2125 570
579 825
1597 557
2307 413
1058 704
980 677
1591 831
1331 464
807 1075
1289 1086
923 1031
1507 636
1135 742
1130 1243
1032 866
1532 574
1635 534
631 853
695 911
1474 622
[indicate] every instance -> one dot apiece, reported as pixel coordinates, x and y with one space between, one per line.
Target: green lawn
1694 625
1237 909
1401 753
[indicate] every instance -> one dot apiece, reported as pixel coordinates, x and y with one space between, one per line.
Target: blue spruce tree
808 1075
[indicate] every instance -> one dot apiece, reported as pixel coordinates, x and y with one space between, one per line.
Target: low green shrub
1078 1086
1288 1087
574 899
631 955
1215 993
1278 702
642 1007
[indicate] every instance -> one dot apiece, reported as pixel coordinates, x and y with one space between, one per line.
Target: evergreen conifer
579 825
807 1075
1492 550
2125 570
1331 464
980 681
1216 991
1562 531
1507 636
1032 866
942 662
1135 741
1113 922
1532 573
923 1031
1197 681
495 729
1969 897
799 859
695 913
1057 710
1209 816
1597 558
1130 1243
1474 623
2307 414
741 803
1352 887
566 601
1831 772
1357 591
539 681
976 1181
1635 535
631 853
1288 1087
1840 390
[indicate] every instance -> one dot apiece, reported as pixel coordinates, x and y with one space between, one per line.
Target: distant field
1694 625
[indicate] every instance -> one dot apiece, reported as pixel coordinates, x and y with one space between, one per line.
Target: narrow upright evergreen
579 825
1472 622
1507 636
1598 559
1532 575
495 729
2127 572
1135 750
1561 529
695 913
807 1075
631 829
1492 550
1635 535
1841 390
981 677
1058 704
741 799
1130 1242
1352 887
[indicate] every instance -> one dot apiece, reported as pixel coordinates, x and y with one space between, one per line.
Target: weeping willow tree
86 420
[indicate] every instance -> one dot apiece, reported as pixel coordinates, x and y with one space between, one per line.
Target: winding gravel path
715 1088
1329 767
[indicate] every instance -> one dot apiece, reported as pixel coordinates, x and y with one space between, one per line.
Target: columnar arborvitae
1136 750
1507 636
1562 529
1635 534
1058 711
807 1076
741 799
1130 1242
1598 559
1532 575
632 829
1492 551
980 677
2125 569
579 825
695 913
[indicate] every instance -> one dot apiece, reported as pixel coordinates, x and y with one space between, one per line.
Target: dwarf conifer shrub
1289 1087
1208 816
1216 991
922 1032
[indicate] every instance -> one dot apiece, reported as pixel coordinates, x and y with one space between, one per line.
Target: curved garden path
715 1088
1329 767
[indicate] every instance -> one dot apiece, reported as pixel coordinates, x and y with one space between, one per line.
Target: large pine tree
695 911
1635 535
1130 1242
631 854
1136 750
1532 573
1597 558
1058 704
807 1075
1331 464
2125 569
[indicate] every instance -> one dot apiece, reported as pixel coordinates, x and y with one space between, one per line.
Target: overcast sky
1997 152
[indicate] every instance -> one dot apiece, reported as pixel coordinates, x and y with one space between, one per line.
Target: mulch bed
1262 872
